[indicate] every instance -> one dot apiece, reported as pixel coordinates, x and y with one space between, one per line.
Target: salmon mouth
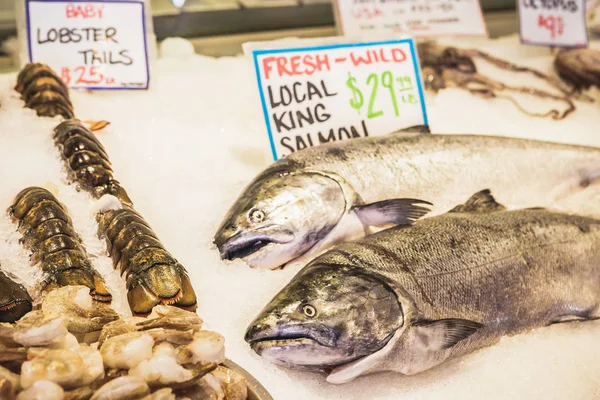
263 344
244 248
257 335
241 245
297 350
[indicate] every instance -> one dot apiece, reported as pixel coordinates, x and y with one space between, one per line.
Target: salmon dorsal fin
480 202
416 129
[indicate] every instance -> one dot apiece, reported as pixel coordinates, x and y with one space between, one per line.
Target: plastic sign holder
321 94
94 45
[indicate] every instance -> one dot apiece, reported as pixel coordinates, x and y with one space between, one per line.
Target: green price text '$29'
399 88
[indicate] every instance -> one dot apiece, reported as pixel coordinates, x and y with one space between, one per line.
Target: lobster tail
43 91
154 276
49 234
14 300
87 161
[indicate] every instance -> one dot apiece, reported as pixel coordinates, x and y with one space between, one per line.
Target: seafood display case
152 248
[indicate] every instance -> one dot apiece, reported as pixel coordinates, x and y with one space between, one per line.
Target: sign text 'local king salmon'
90 44
316 95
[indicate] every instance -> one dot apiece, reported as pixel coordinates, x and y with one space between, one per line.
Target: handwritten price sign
420 18
559 23
90 44
316 95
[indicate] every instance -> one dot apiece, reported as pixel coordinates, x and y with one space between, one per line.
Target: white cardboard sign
556 23
90 44
322 94
418 18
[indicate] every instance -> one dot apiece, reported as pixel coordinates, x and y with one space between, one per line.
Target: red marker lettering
281 70
398 55
360 59
85 75
70 11
320 63
296 65
83 11
385 55
267 65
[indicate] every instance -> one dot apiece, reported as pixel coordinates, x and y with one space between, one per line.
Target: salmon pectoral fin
391 212
428 344
412 349
445 333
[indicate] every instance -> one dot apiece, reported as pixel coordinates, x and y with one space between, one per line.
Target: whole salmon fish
409 298
317 197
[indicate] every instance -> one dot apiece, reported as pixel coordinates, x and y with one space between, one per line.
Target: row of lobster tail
49 234
14 299
87 161
153 275
44 91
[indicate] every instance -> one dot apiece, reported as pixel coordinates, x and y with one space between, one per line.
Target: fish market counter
185 149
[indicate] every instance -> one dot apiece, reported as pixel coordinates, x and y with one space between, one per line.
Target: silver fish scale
444 169
511 270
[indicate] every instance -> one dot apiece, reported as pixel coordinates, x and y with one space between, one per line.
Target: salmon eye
309 310
256 215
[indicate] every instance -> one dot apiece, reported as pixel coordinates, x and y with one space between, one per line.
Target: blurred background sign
219 27
418 18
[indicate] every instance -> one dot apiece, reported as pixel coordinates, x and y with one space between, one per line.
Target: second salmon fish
314 198
409 298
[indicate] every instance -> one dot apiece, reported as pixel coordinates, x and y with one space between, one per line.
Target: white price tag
557 23
316 95
90 44
419 18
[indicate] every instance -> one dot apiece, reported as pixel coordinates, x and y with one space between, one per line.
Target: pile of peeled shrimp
75 348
